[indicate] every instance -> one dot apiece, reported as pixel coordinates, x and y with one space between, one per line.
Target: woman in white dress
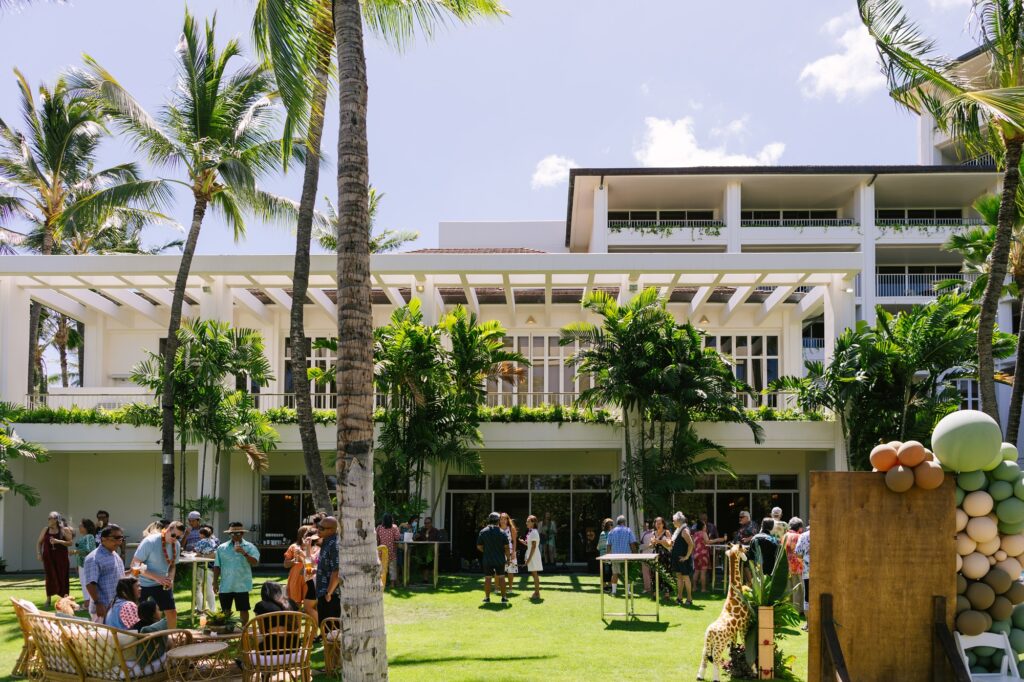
508 527
533 554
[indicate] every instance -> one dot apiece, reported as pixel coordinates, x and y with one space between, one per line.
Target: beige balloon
982 529
1013 545
965 544
978 503
961 520
989 547
975 566
1011 566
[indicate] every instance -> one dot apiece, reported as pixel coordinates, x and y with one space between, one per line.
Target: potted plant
220 622
768 599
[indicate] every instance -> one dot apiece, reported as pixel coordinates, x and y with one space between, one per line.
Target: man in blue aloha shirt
232 571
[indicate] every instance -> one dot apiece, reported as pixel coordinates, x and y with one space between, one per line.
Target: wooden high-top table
408 550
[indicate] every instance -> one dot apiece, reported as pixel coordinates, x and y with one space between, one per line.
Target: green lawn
449 635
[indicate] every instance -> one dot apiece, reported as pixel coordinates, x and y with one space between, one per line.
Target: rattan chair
277 645
27 658
73 649
330 632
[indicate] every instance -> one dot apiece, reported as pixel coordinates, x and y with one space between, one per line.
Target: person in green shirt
232 571
84 543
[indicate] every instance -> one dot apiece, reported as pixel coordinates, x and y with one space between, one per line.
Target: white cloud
734 128
853 70
552 170
674 143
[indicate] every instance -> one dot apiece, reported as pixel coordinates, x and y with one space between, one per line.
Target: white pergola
121 286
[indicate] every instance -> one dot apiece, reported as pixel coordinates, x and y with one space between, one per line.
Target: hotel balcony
668 234
760 229
916 285
922 230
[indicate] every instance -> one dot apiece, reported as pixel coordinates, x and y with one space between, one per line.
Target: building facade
771 262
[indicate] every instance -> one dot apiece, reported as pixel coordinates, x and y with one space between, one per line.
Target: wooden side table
204 661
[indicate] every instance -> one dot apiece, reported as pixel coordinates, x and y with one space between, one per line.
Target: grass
450 635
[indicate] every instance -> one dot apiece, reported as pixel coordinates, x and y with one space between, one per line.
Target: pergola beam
510 296
280 297
165 297
137 303
472 302
248 300
61 303
325 303
810 303
98 303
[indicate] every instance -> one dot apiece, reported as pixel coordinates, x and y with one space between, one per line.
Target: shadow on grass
637 626
417 660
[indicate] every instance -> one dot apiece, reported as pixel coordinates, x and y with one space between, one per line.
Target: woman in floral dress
701 557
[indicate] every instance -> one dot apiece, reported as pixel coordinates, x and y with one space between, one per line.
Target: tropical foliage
12 447
768 589
897 379
984 113
207 412
658 372
218 128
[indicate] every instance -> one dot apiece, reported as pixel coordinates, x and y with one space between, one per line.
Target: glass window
281 482
757 345
920 213
507 482
826 214
706 482
773 345
671 215
727 511
618 215
466 482
740 482
948 213
795 215
700 215
560 506
742 347
643 215
777 481
550 482
890 214
692 505
591 482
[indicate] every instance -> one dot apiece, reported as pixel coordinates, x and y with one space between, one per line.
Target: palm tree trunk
35 313
997 275
1017 394
363 641
81 352
62 348
170 348
300 283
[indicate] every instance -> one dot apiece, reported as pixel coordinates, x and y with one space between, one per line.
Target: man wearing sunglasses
102 569
160 553
232 571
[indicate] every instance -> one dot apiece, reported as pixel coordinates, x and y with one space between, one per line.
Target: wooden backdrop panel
882 556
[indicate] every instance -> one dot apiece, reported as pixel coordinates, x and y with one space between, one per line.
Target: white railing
798 222
88 400
924 223
810 342
665 225
921 284
530 399
779 400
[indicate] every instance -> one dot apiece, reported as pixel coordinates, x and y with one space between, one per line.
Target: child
533 554
84 544
150 620
205 547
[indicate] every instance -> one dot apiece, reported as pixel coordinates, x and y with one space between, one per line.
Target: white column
215 303
14 318
840 311
426 291
94 374
864 207
599 233
792 349
731 206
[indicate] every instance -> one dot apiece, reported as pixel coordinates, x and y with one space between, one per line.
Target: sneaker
504 600
486 600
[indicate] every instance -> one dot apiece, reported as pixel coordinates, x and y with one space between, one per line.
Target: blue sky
484 121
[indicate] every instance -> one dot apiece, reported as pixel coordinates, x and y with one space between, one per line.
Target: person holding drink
232 571
154 563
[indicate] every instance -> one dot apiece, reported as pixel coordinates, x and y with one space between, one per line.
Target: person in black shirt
765 546
493 544
273 599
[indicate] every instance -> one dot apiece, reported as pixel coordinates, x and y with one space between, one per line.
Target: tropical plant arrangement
658 373
12 447
220 622
896 380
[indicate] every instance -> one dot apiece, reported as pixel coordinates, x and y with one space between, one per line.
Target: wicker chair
330 631
72 649
27 658
277 645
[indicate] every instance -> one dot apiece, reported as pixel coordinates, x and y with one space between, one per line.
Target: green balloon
967 440
971 658
1018 488
1006 471
1010 511
1018 619
1009 452
1001 626
972 480
1017 639
1000 490
960 495
984 651
1010 528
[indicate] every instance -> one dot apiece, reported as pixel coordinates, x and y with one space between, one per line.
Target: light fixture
704 319
419 288
530 320
848 290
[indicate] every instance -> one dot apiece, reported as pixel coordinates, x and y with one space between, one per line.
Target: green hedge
140 414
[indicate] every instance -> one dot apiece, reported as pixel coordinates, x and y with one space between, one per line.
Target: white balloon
961 519
1013 545
975 566
990 547
982 529
964 544
978 503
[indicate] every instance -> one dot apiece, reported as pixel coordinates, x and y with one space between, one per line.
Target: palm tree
298 38
986 114
975 245
385 241
47 176
13 447
218 127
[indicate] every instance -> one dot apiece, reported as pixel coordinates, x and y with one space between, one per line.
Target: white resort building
772 262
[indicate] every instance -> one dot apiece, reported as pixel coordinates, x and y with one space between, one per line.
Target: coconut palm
218 128
385 241
298 37
48 178
985 113
976 245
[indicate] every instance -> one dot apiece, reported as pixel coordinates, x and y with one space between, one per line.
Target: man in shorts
232 571
159 554
621 540
493 544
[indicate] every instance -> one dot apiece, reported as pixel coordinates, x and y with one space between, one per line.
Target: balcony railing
812 343
924 224
666 226
921 285
799 222
87 400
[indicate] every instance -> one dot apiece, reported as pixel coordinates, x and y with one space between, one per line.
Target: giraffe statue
732 621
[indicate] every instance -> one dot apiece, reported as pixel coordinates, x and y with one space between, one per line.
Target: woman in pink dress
701 558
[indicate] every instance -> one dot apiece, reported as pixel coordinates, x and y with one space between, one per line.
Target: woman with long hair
52 552
532 554
701 556
508 527
661 544
295 562
389 536
682 558
124 612
273 599
311 551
